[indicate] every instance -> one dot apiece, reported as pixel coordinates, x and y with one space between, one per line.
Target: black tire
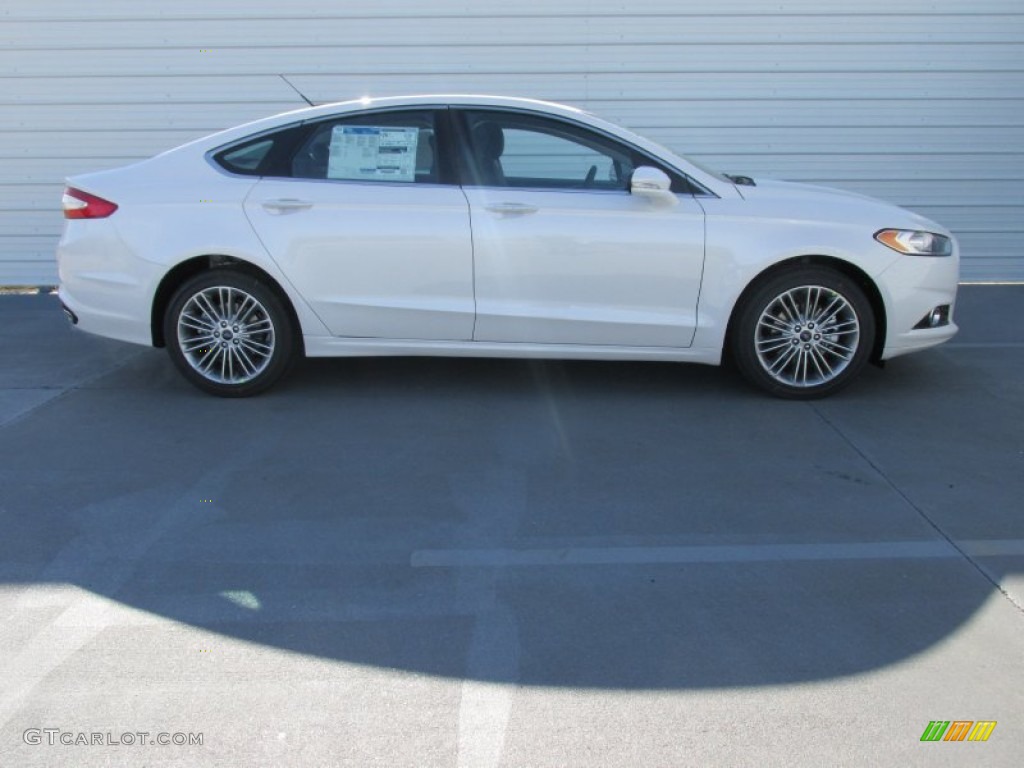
229 334
804 333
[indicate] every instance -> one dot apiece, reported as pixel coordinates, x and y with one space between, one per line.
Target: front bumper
912 287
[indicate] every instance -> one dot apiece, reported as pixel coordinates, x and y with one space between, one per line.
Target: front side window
518 149
386 146
510 149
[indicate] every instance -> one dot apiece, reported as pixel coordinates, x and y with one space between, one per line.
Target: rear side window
387 146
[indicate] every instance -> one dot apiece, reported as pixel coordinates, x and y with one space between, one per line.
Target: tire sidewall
743 339
284 333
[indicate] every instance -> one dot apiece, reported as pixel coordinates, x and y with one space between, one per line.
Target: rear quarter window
247 159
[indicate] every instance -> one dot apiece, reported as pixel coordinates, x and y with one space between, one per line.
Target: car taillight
81 205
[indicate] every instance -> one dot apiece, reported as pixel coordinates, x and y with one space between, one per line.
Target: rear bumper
112 324
104 289
71 316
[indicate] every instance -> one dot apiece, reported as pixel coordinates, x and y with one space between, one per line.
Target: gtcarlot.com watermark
58 736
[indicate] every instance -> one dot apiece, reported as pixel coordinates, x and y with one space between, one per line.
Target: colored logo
958 730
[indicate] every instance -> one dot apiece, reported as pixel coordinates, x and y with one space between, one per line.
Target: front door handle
287 205
512 208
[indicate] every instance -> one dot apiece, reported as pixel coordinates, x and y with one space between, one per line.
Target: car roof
384 102
461 99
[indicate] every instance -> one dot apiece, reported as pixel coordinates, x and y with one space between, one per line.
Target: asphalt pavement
477 563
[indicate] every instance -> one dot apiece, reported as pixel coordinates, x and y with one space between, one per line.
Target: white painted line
983 345
741 553
485 709
992 282
993 547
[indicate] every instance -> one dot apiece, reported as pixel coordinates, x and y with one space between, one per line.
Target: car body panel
170 211
800 221
373 259
577 267
327 346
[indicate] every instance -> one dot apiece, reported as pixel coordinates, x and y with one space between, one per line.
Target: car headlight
915 243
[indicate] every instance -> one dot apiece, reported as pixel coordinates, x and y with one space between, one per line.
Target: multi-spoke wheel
804 333
229 334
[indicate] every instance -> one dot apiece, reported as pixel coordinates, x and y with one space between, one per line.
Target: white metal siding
920 102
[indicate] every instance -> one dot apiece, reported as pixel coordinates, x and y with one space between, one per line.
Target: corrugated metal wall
914 101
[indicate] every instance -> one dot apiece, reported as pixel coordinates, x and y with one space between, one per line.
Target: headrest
488 140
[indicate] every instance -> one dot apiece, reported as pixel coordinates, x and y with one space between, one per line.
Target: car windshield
699 165
663 150
695 163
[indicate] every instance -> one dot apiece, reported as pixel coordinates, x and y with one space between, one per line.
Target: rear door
366 222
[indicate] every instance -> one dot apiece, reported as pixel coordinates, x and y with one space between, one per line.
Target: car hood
809 201
778 189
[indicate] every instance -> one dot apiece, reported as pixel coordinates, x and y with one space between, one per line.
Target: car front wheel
804 333
229 334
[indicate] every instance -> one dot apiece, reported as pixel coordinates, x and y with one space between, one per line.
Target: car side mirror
653 184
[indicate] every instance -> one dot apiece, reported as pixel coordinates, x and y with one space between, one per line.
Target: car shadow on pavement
632 525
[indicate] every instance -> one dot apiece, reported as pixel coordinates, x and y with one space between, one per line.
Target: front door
563 253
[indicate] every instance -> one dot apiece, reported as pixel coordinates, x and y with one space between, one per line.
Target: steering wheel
591 175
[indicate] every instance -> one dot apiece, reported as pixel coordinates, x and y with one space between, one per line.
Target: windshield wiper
743 181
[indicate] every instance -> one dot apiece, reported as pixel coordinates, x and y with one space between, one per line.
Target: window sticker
372 153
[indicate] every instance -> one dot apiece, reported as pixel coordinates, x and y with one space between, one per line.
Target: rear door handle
512 208
286 205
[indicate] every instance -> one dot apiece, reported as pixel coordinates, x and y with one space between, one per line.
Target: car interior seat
489 143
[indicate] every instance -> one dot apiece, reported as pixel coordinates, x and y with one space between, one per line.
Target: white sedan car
467 225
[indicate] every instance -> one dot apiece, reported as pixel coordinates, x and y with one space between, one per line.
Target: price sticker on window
373 153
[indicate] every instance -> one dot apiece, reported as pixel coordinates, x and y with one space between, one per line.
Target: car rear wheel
229 334
804 333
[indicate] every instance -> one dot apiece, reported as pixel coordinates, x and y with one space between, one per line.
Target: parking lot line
746 553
